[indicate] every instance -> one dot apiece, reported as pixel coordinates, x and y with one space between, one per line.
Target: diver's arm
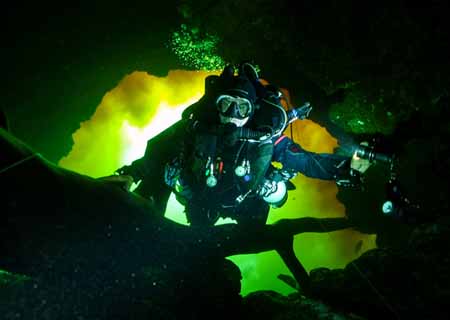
136 169
159 150
323 166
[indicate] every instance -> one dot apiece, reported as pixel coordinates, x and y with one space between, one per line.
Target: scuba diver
218 159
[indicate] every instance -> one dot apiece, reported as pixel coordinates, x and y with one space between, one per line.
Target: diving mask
234 107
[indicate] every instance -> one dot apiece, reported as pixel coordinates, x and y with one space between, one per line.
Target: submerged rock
272 305
393 283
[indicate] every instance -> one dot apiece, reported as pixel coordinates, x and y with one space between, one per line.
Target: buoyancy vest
218 174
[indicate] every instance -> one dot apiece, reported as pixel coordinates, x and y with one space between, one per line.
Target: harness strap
281 138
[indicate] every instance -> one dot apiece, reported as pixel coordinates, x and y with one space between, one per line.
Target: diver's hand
122 181
359 164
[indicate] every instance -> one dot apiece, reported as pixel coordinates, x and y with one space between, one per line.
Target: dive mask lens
240 107
244 107
224 103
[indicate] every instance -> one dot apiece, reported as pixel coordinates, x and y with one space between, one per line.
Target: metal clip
242 197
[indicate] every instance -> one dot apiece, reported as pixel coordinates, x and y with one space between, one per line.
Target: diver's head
236 103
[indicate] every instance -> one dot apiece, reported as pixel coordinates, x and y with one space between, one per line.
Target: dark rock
272 305
393 283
